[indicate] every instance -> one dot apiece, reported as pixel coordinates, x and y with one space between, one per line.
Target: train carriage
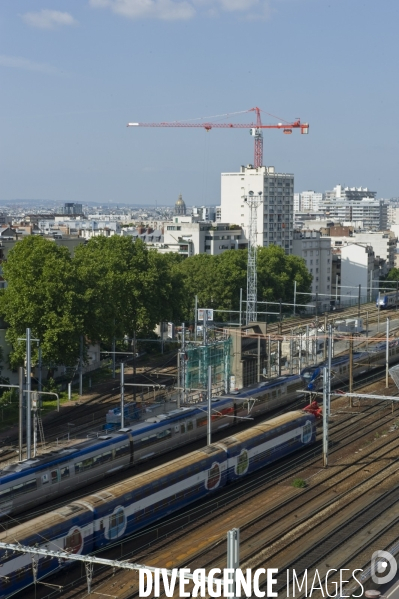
268 441
24 484
69 528
97 520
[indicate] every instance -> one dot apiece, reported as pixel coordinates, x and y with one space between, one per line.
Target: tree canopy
217 280
42 293
114 286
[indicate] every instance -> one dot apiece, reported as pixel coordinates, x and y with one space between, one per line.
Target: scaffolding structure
252 278
198 358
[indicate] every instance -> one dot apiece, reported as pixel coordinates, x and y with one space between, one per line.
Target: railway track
250 490
88 415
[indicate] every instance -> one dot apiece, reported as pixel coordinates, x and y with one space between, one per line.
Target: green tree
126 287
392 277
217 280
277 272
42 293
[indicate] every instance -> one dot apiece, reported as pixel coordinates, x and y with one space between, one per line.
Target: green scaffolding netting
198 358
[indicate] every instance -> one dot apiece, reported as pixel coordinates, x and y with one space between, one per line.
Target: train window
54 476
96 460
201 422
106 457
18 489
45 479
190 425
165 434
120 451
64 472
4 494
30 485
182 428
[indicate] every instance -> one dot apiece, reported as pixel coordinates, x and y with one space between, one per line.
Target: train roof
266 426
20 469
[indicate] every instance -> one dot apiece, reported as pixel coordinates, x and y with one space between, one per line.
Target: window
183 428
190 425
54 476
64 472
121 451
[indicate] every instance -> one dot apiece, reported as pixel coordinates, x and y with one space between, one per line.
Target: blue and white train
385 301
363 363
31 482
97 520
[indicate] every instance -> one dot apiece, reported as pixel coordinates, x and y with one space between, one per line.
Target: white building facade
316 251
307 201
275 214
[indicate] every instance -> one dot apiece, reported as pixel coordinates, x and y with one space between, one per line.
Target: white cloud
16 62
168 10
48 19
174 10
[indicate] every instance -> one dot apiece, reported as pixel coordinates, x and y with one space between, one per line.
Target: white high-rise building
275 216
307 201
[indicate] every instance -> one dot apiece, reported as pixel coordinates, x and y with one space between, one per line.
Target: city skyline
74 73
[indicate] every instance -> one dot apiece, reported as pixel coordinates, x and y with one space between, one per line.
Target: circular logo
214 476
242 463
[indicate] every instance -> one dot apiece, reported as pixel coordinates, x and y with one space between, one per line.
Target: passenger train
363 362
31 482
98 520
387 300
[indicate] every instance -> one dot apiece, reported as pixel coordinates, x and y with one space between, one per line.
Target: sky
73 73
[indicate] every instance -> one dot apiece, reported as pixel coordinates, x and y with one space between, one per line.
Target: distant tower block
180 207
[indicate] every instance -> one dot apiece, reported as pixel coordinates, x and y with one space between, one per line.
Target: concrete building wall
316 251
357 268
275 215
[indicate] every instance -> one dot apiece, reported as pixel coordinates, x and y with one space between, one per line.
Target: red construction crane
255 129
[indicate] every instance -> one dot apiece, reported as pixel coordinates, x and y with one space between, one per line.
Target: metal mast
252 278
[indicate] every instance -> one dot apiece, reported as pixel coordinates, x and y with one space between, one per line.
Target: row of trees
114 287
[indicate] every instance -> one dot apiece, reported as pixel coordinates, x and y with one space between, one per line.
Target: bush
299 483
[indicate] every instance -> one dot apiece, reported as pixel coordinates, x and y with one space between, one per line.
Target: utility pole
122 394
325 418
387 357
325 337
294 297
233 557
134 362
209 432
330 353
28 399
182 384
279 348
81 366
258 377
378 322
350 368
21 412
113 357
269 357
240 321
358 307
195 317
